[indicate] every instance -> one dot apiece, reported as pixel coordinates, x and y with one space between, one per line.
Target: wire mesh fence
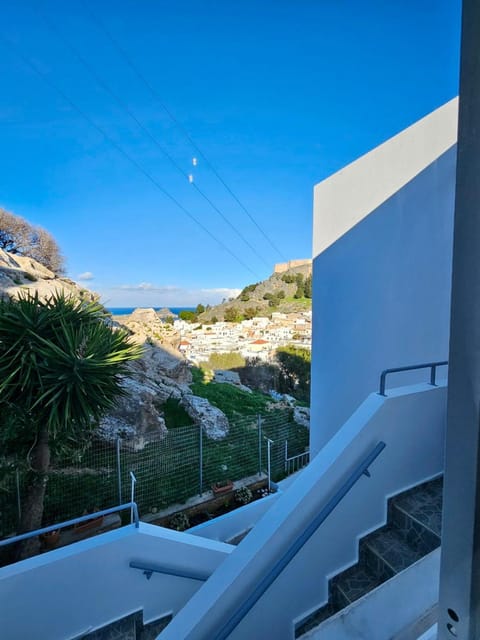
169 469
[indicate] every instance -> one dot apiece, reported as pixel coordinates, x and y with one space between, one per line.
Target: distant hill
286 292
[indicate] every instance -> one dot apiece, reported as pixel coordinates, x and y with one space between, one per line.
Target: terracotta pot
50 540
224 487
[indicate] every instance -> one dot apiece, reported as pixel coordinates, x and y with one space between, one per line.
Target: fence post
200 440
19 502
259 423
286 455
269 444
119 473
132 494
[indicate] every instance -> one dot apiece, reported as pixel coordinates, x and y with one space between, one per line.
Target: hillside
277 293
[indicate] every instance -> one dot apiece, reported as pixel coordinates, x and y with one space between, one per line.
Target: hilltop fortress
281 267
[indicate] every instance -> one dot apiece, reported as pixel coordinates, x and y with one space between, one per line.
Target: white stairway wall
60 594
382 268
411 422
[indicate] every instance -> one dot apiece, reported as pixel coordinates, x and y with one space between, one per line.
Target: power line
158 99
121 150
145 130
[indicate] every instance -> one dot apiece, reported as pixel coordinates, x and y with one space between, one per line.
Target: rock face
230 377
136 414
214 422
301 415
254 299
22 274
161 373
162 364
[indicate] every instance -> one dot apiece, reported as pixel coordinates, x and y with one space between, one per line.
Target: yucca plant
61 369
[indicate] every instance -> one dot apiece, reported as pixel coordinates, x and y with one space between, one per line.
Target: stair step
352 584
413 529
314 619
385 553
417 516
151 630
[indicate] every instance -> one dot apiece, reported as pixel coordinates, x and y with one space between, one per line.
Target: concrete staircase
412 530
129 628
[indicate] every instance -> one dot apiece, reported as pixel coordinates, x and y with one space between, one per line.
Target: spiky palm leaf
61 363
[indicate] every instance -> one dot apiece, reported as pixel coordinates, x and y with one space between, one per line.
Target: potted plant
223 484
50 539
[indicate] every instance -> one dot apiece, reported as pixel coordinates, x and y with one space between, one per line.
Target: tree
20 237
188 316
294 363
232 314
200 309
61 370
308 286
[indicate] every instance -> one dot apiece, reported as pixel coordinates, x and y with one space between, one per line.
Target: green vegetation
244 295
61 367
232 401
294 364
274 299
174 414
228 360
188 316
232 314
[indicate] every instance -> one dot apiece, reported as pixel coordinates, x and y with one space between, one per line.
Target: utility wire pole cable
121 51
121 150
52 27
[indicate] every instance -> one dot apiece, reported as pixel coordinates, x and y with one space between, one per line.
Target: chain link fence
169 470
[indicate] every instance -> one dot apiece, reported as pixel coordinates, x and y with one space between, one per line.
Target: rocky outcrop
137 414
230 377
301 415
214 422
22 274
252 297
163 364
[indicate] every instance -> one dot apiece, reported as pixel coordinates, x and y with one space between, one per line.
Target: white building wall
89 584
411 422
382 268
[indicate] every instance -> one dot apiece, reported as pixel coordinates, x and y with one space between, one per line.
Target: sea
123 311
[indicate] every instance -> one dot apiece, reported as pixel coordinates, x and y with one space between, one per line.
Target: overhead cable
122 151
177 123
123 105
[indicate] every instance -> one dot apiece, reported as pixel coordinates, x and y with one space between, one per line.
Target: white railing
295 463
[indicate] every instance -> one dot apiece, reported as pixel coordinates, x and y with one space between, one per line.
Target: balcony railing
414 367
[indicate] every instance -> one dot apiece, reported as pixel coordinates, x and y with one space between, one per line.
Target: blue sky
278 95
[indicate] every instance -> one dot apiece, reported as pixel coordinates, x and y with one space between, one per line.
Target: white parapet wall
382 251
89 584
411 422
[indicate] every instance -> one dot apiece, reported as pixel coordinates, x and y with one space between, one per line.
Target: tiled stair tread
153 629
412 531
390 547
424 504
355 582
314 619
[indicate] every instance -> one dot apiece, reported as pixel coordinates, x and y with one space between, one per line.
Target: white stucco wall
411 421
63 593
382 268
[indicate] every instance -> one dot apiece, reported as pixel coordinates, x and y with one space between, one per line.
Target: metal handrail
69 523
291 552
148 569
428 365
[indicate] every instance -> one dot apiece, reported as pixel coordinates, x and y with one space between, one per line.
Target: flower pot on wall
222 487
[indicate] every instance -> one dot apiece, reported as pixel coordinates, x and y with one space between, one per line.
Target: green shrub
179 522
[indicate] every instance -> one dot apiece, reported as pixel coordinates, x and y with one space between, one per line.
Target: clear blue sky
278 94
